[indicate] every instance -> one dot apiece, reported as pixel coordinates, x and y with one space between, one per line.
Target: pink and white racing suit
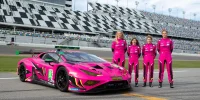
149 54
165 48
119 48
134 53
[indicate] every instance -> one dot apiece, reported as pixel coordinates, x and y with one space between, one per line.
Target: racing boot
136 84
160 85
150 84
171 85
144 85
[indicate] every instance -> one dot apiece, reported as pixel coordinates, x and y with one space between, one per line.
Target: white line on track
173 72
12 78
9 78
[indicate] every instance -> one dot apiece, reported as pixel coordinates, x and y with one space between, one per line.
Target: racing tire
62 79
22 73
33 75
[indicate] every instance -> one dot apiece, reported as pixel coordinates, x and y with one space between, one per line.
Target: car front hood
106 68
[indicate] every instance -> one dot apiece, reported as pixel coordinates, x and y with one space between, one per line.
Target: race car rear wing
59 48
61 52
68 47
27 52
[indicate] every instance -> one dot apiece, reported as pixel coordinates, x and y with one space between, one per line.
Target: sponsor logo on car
50 76
74 89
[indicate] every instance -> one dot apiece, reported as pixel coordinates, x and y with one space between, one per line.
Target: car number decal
50 75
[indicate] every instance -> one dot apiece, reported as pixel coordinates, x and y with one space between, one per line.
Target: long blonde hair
117 35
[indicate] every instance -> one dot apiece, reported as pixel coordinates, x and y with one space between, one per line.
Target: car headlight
90 73
123 70
117 66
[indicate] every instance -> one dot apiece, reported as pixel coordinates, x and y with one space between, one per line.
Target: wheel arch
27 64
21 63
56 71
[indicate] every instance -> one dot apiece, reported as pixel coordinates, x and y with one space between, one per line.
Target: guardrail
81 48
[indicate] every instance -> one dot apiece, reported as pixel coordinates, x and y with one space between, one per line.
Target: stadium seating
46 16
103 18
87 40
124 18
171 19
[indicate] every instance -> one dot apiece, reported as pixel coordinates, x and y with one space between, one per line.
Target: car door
48 66
38 71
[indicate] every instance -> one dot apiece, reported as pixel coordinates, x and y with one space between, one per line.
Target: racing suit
119 48
149 54
134 53
165 48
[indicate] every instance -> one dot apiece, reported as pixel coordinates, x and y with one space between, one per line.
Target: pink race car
74 71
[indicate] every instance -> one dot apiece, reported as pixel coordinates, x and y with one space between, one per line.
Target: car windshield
82 57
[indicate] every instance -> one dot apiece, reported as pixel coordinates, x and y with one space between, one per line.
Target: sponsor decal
50 76
28 79
167 44
44 71
50 83
74 89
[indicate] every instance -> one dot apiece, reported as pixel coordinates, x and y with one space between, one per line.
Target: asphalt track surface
105 54
186 82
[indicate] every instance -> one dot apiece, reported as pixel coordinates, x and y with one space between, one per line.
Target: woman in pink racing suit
149 54
119 47
134 53
165 48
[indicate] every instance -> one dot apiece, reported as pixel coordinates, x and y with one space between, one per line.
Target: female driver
119 48
165 48
134 53
149 54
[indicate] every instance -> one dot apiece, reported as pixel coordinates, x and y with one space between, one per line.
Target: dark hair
137 42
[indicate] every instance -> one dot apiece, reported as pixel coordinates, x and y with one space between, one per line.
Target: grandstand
56 1
34 21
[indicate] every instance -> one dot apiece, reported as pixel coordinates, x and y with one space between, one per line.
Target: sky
190 7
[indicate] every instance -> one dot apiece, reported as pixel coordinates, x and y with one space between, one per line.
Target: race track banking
186 82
